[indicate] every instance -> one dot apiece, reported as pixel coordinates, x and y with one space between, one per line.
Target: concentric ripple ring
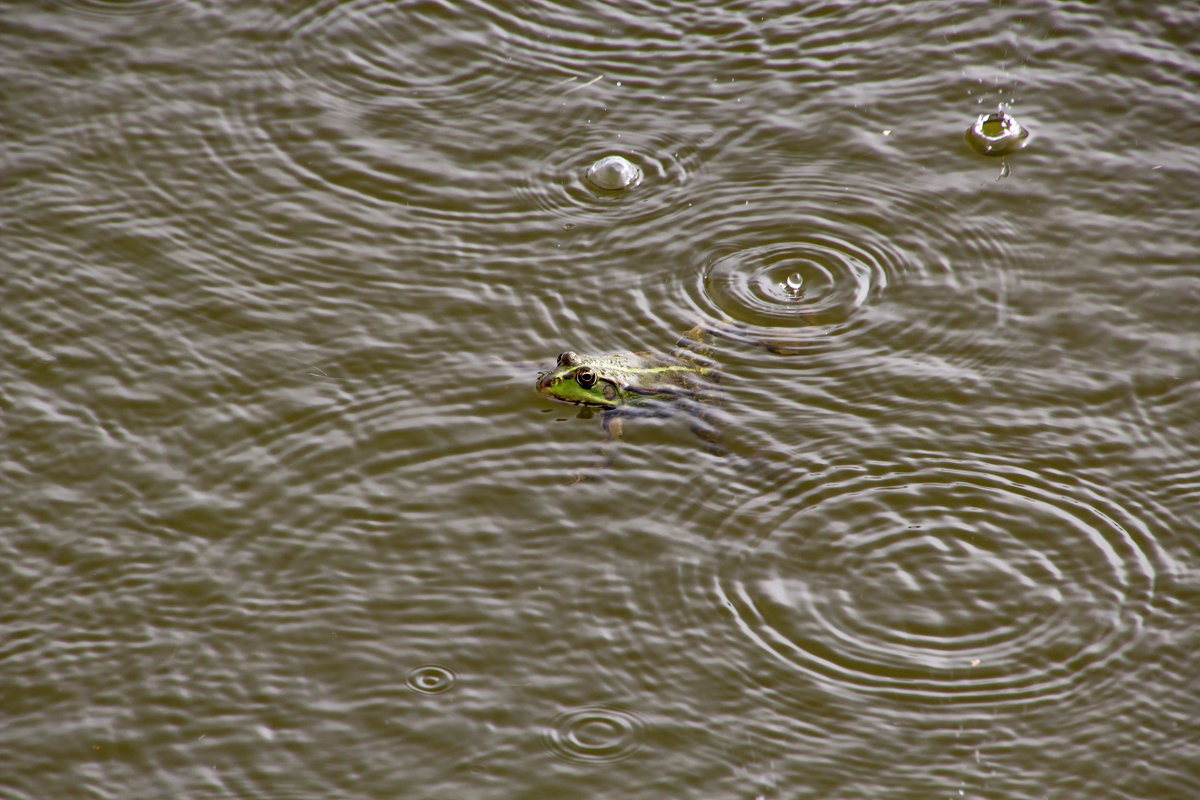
594 734
950 583
430 679
816 280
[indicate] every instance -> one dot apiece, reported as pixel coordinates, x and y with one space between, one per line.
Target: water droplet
996 134
794 284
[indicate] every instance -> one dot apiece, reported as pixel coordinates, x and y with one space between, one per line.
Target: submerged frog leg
613 425
695 346
696 333
704 426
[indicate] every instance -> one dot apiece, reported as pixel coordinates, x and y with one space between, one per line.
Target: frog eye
567 359
585 377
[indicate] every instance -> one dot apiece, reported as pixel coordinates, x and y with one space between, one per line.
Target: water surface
287 519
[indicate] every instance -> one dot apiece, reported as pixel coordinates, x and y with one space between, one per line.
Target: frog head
581 381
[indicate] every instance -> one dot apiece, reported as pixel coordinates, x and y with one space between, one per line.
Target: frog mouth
546 382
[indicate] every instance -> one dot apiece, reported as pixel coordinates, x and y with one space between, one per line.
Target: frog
622 385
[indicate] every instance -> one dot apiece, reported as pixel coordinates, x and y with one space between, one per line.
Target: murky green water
284 517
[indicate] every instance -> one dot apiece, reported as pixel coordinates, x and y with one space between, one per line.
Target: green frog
620 385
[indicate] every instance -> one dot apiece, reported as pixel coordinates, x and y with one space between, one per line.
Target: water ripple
461 55
123 8
805 282
395 104
557 181
430 679
799 282
421 51
594 734
941 581
804 260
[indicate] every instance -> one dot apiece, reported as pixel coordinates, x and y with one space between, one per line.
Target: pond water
285 517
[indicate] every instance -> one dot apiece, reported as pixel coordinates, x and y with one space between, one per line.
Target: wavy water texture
121 8
286 517
988 610
946 584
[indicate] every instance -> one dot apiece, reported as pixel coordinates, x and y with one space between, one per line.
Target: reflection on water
286 517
